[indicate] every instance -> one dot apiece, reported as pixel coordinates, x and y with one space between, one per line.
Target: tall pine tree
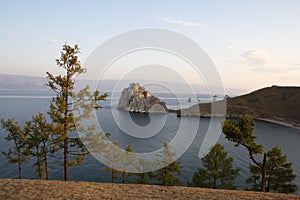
63 104
241 133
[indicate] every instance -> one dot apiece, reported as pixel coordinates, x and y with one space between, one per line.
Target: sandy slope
35 189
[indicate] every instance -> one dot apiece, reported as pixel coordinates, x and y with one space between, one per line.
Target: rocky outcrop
136 98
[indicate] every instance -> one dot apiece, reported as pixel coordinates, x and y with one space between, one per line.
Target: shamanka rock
136 98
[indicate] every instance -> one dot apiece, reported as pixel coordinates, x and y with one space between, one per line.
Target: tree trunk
268 184
66 160
39 162
19 162
66 140
46 166
164 176
264 174
45 151
20 169
123 177
215 180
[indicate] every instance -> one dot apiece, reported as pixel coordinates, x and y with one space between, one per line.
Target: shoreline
287 124
278 122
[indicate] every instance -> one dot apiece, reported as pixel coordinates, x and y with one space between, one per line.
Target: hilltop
41 189
276 103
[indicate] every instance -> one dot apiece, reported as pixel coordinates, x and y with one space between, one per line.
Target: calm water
22 105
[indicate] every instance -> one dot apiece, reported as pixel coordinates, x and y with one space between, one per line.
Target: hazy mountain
22 82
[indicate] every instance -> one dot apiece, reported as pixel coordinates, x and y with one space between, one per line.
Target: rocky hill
39 189
136 98
275 103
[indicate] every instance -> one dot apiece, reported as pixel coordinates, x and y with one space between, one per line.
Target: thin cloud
171 20
260 61
46 39
256 57
276 69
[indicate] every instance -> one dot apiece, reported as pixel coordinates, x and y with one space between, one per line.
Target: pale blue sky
252 43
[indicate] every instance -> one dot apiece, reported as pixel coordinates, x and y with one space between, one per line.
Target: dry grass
35 189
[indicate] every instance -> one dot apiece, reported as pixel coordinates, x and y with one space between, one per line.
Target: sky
253 44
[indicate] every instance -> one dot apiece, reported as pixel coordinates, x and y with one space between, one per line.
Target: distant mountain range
22 82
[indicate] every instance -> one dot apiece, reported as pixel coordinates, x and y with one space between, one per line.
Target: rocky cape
136 98
274 104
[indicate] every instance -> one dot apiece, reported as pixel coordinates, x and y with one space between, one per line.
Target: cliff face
136 98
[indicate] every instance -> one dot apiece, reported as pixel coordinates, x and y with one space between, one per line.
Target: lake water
21 105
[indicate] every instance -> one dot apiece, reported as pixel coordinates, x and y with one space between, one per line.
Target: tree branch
252 157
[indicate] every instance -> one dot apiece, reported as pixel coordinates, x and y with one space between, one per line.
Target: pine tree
217 171
18 153
63 105
38 143
127 161
241 133
168 175
279 173
141 176
113 159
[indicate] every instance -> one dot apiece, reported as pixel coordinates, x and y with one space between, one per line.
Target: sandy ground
35 189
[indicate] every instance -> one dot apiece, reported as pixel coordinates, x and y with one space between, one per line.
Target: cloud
260 61
266 68
277 69
291 65
170 20
46 39
256 57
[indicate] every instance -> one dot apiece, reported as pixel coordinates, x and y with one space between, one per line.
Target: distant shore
278 122
191 112
275 104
